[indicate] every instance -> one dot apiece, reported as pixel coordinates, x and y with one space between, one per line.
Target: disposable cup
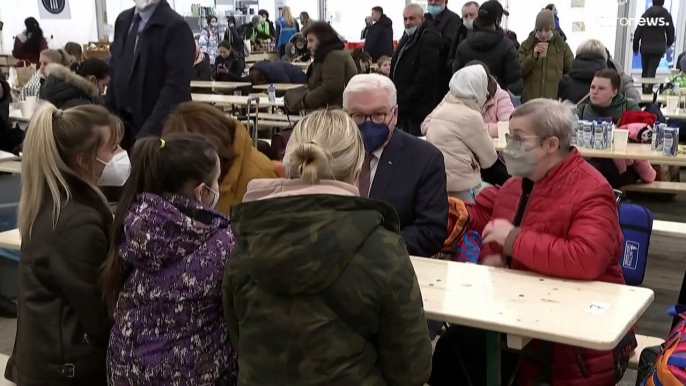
620 139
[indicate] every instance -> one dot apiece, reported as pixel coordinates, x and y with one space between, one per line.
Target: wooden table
279 86
651 80
219 85
524 305
10 240
260 56
13 167
302 65
239 100
17 117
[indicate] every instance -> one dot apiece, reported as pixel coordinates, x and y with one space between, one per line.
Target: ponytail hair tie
57 114
162 143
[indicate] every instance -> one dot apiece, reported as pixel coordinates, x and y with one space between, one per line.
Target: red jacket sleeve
480 212
16 51
592 242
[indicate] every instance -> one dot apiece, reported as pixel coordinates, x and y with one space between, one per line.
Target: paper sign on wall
597 308
578 3
54 9
578 26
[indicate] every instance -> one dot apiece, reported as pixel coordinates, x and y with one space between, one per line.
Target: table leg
493 358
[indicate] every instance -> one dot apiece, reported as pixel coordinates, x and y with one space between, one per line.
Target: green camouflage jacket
308 278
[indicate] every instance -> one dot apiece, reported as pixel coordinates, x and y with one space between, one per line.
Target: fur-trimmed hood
64 88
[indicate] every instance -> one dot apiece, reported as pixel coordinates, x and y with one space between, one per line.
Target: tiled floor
666 265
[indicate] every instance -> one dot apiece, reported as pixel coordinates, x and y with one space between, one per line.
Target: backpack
668 367
636 223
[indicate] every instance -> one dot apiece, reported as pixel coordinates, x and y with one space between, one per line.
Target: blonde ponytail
52 139
310 163
325 145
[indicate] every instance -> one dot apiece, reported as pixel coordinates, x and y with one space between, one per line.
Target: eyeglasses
377 118
516 140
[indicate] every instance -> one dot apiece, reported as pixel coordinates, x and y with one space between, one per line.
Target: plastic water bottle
271 94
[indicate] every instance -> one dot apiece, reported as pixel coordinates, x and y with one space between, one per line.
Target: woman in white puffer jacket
457 129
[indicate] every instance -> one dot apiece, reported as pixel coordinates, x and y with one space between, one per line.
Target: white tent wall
81 27
347 17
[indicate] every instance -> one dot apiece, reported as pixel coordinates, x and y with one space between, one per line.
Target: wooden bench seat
658 187
643 342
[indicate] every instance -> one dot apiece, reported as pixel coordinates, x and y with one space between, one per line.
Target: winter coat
5 101
209 42
365 31
569 230
627 81
338 299
413 71
379 40
497 109
203 70
168 327
65 89
20 53
281 72
446 24
234 64
589 111
460 36
248 164
63 326
543 75
492 47
457 129
327 76
576 84
656 35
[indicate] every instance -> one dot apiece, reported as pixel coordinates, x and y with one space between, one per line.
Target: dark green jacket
327 76
542 75
294 253
619 105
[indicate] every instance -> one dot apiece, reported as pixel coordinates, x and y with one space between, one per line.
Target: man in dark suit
414 70
379 40
446 23
404 171
151 69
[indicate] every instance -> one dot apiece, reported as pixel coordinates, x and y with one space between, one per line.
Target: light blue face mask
411 31
434 9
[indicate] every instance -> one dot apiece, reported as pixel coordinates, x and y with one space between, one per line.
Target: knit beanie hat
545 19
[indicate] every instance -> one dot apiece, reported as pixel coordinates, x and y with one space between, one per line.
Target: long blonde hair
53 139
286 14
325 145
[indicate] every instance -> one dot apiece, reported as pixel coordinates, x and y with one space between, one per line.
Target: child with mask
457 129
64 223
163 274
83 84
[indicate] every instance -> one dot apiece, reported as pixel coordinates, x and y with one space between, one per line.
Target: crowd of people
213 242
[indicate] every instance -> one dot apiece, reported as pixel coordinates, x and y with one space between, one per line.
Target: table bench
669 228
658 187
10 240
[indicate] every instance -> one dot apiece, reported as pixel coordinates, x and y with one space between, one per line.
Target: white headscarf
470 82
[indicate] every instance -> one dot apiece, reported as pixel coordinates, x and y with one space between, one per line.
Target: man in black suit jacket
151 69
404 171
379 39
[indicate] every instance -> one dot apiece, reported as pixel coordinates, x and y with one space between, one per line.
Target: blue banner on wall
667 60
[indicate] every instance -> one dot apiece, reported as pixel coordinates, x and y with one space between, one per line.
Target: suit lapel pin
390 163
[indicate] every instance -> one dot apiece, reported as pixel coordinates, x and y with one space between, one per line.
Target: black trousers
609 170
650 63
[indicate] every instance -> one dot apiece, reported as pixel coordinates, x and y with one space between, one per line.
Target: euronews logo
636 21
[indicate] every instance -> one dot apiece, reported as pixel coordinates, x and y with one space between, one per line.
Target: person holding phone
545 58
228 67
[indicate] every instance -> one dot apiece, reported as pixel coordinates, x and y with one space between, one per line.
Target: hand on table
496 231
494 261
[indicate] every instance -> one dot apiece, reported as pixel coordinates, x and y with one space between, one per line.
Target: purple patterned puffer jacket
168 323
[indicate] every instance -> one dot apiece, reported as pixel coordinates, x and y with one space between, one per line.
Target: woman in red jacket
29 44
557 217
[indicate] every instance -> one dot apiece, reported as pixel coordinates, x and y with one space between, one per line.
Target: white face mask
469 24
116 171
213 24
215 200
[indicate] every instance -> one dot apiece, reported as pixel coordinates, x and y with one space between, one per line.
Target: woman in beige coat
457 129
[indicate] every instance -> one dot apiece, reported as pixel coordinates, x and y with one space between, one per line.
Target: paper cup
545 53
503 128
620 139
672 103
27 108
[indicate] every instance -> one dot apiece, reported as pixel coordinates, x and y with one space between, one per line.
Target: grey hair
369 82
593 46
471 4
417 8
257 19
550 118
